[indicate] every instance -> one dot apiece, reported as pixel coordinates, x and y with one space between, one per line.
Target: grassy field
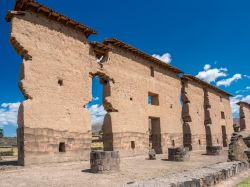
8 149
96 146
245 183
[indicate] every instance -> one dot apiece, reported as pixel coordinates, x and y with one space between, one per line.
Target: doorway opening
155 134
96 108
224 136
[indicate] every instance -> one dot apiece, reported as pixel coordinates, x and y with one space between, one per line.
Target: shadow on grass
86 170
8 163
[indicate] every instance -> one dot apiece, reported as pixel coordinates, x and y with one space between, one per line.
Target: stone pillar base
104 161
214 150
179 154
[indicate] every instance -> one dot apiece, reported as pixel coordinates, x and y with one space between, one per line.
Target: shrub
7 153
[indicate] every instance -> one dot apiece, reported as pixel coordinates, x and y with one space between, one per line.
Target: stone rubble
206 176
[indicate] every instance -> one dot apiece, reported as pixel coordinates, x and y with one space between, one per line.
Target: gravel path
77 173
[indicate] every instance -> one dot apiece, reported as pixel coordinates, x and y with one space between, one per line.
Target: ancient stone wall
53 125
129 96
193 128
221 118
142 95
244 116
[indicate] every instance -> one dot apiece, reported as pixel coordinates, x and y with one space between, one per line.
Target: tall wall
193 115
244 116
129 96
56 84
220 103
206 114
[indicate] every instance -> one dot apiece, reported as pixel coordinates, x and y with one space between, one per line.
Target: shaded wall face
244 117
195 94
220 104
57 85
129 95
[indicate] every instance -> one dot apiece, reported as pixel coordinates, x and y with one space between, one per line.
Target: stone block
104 161
214 150
178 154
151 154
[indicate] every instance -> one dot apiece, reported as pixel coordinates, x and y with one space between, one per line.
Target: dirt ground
77 173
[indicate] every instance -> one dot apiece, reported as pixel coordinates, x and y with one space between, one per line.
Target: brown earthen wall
129 95
195 95
53 113
245 116
220 103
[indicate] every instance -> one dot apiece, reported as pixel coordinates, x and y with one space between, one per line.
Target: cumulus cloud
211 75
246 76
8 113
207 67
234 100
95 98
228 82
166 57
97 113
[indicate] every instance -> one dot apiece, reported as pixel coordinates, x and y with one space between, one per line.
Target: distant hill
8 141
237 121
96 128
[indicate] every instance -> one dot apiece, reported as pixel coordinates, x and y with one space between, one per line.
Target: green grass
245 183
8 151
96 146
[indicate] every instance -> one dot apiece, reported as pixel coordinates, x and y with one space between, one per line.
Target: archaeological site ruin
149 103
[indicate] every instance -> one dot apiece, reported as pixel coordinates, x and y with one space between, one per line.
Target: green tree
1 133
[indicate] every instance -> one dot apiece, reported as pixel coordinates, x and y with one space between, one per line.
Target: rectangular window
62 147
153 99
152 73
222 115
132 144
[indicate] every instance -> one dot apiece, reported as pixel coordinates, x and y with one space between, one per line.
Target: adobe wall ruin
56 80
221 118
193 115
244 116
134 82
206 114
56 83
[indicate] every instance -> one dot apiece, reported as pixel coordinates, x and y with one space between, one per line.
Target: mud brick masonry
148 102
244 116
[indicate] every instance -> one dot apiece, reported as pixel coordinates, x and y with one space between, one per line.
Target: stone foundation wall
207 176
42 146
127 143
199 142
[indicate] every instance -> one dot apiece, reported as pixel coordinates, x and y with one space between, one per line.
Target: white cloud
8 113
95 99
207 67
246 76
211 75
234 100
166 57
97 113
248 88
228 82
246 99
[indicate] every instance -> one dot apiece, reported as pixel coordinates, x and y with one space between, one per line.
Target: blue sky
207 38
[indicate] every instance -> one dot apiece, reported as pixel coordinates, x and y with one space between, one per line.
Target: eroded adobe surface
129 127
56 83
206 114
148 104
244 116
